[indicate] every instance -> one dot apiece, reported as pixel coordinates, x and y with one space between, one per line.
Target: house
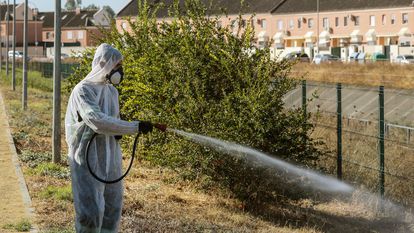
344 27
35 26
338 27
79 28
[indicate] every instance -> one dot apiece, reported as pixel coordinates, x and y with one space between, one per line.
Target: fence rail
46 68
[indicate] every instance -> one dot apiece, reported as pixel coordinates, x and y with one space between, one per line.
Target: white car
404 59
17 54
325 58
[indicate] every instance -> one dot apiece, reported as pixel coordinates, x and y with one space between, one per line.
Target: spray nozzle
162 127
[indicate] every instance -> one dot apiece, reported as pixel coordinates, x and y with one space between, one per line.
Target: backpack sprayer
161 127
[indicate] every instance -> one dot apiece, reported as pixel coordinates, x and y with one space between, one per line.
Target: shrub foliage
199 77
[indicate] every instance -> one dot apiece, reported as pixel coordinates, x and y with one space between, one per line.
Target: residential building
338 27
34 25
79 27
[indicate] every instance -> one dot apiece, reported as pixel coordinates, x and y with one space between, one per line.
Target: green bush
199 77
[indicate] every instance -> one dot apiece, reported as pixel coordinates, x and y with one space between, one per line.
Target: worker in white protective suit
93 107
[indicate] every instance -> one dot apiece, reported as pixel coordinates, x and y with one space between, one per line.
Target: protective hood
105 59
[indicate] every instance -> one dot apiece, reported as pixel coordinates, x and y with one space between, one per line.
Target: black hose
118 179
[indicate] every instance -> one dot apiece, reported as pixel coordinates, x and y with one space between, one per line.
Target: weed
58 193
59 230
23 225
33 159
51 169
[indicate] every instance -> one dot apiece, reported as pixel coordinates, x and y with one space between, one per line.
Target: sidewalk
15 203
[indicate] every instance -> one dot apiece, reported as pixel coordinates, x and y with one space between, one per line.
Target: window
393 19
80 34
372 20
263 23
300 23
69 35
404 18
336 21
310 23
325 23
356 23
47 35
124 25
345 21
384 19
291 24
280 25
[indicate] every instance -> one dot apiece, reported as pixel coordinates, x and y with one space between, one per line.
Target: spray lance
161 127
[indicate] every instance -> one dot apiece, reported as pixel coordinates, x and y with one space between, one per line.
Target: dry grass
374 74
156 200
361 159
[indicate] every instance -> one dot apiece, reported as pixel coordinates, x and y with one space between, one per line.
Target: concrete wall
68 50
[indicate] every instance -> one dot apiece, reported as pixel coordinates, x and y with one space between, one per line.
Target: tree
72 4
91 7
109 10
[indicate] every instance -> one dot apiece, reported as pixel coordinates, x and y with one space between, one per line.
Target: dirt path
15 204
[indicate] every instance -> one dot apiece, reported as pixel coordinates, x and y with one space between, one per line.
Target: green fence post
304 98
339 130
381 140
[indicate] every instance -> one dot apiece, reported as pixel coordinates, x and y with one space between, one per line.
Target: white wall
68 50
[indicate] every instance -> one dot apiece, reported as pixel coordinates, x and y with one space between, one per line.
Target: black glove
145 127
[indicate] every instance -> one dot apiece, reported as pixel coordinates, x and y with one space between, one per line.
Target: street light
317 26
35 15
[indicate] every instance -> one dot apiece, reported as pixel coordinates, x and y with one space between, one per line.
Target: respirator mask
115 76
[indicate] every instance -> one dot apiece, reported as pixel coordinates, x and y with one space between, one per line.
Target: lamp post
35 15
25 43
56 85
7 37
14 48
1 40
317 26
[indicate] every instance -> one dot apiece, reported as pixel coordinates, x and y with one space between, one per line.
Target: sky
49 5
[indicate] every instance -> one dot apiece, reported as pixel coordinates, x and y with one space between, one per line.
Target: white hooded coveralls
93 107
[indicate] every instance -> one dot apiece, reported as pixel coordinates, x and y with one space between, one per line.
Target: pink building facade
337 27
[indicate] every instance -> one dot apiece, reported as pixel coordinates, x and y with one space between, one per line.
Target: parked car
325 58
378 57
62 56
297 56
18 54
404 59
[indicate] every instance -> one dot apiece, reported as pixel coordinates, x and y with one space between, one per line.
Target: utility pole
317 26
56 85
7 38
14 47
1 40
24 83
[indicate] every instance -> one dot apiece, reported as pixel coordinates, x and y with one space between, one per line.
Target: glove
145 127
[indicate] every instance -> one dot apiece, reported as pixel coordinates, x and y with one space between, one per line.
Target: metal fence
46 68
369 132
